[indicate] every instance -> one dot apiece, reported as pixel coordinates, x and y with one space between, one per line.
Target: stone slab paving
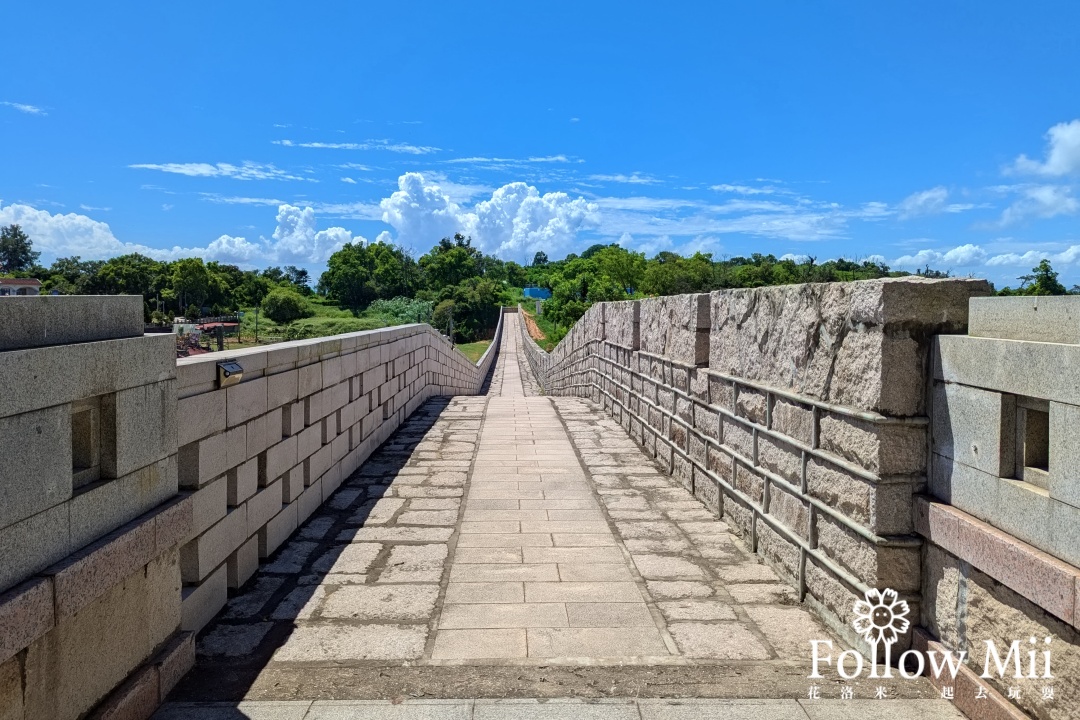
530 537
562 709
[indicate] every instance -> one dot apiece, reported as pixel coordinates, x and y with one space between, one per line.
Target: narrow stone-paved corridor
519 546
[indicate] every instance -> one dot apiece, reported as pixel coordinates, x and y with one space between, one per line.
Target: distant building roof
20 281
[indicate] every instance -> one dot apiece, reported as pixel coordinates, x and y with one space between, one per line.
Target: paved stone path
531 537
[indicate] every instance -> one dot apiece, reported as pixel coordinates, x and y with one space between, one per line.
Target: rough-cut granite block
676 327
621 326
861 344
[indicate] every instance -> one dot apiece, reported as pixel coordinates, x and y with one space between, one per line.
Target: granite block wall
135 491
1001 516
259 457
798 413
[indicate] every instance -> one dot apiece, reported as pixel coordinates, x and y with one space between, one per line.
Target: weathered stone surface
26 613
90 653
1038 319
621 323
676 327
992 612
881 448
40 320
36 471
861 344
33 544
975 427
1064 481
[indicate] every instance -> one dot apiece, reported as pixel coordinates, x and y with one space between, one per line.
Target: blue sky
945 133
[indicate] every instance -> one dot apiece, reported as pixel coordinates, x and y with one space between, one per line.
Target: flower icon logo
881 617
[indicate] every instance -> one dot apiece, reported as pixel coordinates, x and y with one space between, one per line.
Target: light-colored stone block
262 506
245 401
1064 468
341 643
676 327
43 320
243 563
202 461
200 603
975 427
876 362
242 482
204 553
199 416
478 644
139 426
279 458
36 470
281 388
32 544
277 530
209 504
1022 368
81 371
1038 319
101 508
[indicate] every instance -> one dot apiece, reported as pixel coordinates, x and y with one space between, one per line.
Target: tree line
461 284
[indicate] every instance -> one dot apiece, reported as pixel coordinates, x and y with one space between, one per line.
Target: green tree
16 250
191 281
252 289
450 262
540 258
283 305
626 268
1043 280
357 274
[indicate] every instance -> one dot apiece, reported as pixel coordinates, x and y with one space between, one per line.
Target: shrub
283 305
402 310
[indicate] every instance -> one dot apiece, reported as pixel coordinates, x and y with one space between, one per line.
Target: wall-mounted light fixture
229 373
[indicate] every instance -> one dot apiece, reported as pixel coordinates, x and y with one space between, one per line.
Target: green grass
474 350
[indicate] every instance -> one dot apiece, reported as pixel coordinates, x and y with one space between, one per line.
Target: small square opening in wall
85 441
1033 441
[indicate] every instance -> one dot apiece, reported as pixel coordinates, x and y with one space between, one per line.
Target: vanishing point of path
518 556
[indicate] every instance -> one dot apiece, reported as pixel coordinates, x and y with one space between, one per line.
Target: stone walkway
531 537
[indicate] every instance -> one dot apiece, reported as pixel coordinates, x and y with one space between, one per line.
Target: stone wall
90 520
798 413
1002 516
135 490
259 457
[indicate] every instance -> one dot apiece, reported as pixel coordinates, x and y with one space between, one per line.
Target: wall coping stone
1039 319
42 320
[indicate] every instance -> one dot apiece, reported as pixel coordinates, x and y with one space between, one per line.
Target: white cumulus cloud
1040 201
1062 155
516 217
962 256
295 240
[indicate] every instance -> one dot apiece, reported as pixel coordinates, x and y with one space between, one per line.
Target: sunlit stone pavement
517 531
